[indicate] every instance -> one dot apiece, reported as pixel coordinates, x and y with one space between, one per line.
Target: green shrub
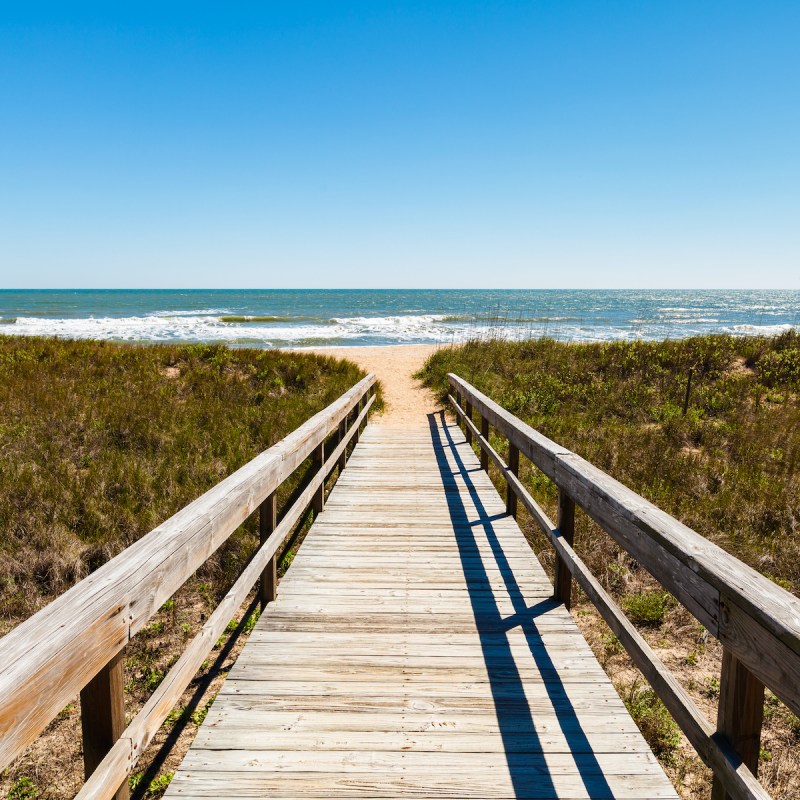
101 442
648 608
23 789
157 786
654 721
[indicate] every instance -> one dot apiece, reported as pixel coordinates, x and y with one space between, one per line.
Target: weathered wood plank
103 717
415 650
740 710
695 570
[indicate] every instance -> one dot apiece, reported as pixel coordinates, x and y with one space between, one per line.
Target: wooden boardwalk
414 650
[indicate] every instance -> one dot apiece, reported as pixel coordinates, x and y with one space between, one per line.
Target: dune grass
729 467
724 458
101 442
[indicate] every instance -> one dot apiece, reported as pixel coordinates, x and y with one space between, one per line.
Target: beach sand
406 399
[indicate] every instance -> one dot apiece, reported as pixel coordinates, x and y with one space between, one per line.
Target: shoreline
406 399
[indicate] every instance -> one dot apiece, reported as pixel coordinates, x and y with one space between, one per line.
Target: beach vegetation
653 720
724 457
706 428
23 789
101 442
648 608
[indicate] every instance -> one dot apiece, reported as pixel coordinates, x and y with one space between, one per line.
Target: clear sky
400 144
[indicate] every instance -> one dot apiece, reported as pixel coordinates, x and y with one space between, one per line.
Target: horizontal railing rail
74 645
756 621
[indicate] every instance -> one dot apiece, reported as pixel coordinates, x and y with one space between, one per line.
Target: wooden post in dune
513 468
562 584
103 716
343 456
267 521
740 715
485 435
319 496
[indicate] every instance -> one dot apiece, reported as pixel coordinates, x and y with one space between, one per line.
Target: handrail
73 644
757 622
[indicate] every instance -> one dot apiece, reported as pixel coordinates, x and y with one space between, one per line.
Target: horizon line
392 289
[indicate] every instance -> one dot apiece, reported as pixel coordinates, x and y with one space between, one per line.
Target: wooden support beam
485 434
754 618
459 421
318 503
562 582
356 412
267 521
467 431
343 456
513 468
103 717
740 714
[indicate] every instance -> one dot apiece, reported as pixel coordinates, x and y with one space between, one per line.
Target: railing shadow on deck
756 621
526 763
200 686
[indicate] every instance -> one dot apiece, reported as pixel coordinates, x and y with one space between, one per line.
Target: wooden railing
756 621
76 644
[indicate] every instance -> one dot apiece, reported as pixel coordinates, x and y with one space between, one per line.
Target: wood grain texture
144 725
756 620
48 659
103 717
267 522
415 650
740 714
485 434
513 468
732 775
562 584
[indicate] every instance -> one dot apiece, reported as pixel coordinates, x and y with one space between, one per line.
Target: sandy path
406 399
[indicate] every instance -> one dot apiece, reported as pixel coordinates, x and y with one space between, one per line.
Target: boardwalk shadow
528 768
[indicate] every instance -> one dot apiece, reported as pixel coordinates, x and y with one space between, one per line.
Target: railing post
740 714
459 401
467 430
267 521
342 434
513 467
562 583
318 503
103 716
356 412
485 434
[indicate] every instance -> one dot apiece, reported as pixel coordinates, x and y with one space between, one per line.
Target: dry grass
729 468
99 443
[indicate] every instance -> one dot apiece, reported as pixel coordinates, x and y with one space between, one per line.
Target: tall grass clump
101 442
720 452
728 466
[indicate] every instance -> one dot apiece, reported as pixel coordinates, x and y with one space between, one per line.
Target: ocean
320 318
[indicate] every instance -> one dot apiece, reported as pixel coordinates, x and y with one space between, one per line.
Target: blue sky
436 144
